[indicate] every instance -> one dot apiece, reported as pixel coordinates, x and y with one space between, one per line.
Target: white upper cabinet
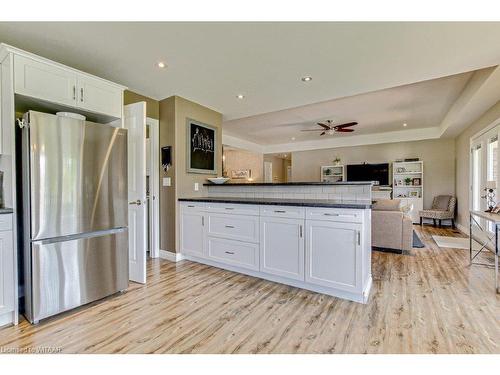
55 83
95 95
44 81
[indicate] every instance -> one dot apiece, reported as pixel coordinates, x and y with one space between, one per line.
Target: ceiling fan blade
345 125
344 130
324 126
312 130
323 133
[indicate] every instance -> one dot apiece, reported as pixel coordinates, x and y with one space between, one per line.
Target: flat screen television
369 172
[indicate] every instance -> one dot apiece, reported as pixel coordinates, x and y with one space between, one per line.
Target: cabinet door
99 96
6 273
333 254
282 247
44 81
192 228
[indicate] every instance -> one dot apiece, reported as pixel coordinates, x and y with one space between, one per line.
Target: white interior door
268 171
135 122
154 187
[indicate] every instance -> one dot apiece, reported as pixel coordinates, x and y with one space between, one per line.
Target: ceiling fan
329 128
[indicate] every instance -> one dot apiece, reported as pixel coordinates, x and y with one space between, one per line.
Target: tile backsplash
337 192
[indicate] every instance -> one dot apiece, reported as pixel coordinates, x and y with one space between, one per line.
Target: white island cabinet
282 247
323 249
333 254
192 229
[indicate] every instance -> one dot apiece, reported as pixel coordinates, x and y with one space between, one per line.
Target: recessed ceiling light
293 138
240 96
161 64
405 124
306 79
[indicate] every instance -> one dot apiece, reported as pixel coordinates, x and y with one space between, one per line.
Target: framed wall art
201 147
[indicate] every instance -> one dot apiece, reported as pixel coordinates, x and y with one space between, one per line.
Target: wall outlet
167 181
196 186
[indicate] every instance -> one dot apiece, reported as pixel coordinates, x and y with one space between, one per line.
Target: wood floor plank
427 301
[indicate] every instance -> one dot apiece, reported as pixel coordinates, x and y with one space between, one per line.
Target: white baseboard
168 255
462 229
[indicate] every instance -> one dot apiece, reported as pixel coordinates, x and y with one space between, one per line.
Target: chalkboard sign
201 147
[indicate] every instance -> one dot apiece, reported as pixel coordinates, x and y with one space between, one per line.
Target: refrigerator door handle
79 236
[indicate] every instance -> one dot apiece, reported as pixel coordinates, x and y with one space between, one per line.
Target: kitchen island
302 240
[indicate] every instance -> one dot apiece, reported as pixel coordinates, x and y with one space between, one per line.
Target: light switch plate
196 186
167 181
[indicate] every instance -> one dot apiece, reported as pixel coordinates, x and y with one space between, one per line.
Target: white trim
154 215
229 140
462 229
485 130
361 297
357 140
7 319
170 256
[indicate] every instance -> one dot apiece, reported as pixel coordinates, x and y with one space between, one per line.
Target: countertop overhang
6 210
291 183
326 203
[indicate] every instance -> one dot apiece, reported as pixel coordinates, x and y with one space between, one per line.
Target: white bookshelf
408 185
332 173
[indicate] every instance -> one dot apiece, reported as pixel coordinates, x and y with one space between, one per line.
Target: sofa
392 229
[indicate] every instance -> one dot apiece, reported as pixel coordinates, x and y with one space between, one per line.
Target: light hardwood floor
429 301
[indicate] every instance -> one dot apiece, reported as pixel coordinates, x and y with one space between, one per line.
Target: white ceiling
419 105
211 63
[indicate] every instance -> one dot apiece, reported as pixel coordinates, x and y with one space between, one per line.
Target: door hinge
22 123
203 221
300 231
359 238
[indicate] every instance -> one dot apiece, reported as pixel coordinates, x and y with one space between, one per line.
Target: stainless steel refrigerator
74 213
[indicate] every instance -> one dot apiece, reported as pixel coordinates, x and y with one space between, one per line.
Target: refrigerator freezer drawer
71 273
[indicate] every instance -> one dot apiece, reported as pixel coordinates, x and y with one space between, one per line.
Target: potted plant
407 181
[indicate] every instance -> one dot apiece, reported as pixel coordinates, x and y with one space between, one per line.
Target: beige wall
462 147
152 106
168 200
242 159
438 156
174 112
278 167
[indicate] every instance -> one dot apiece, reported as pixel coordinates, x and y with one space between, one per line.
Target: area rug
416 241
455 242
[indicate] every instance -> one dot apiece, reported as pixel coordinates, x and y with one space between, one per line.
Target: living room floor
428 301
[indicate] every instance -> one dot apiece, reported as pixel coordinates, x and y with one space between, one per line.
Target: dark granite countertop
290 183
327 203
6 210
